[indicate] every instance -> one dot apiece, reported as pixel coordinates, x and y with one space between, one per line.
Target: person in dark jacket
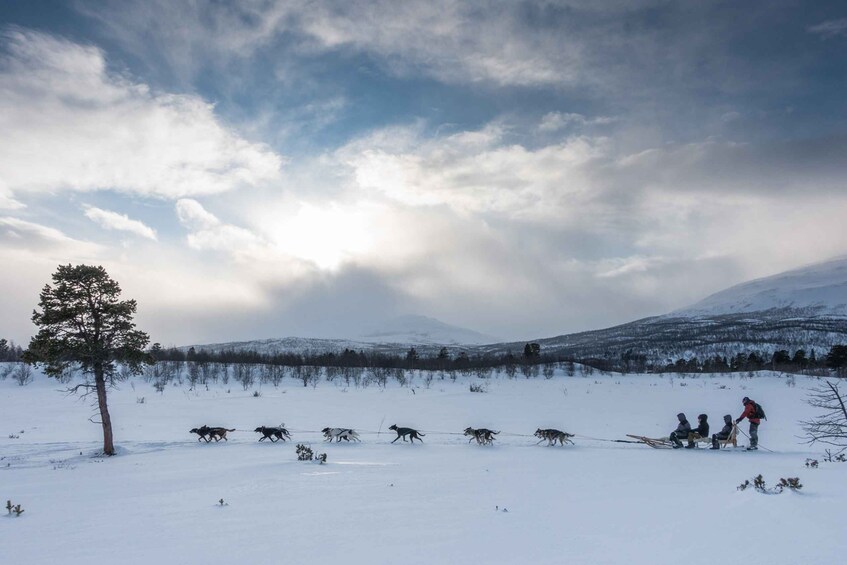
724 433
750 414
681 432
702 430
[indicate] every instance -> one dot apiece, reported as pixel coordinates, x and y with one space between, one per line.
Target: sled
657 443
666 443
733 438
697 438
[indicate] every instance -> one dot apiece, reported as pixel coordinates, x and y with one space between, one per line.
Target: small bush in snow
139 400
812 463
306 454
256 394
22 374
477 388
835 458
791 483
6 370
14 508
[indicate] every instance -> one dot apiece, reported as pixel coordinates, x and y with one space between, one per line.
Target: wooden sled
657 443
666 443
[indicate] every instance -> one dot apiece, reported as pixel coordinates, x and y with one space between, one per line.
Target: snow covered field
596 502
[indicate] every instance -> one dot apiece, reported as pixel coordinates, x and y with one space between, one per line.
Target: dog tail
232 430
421 434
495 433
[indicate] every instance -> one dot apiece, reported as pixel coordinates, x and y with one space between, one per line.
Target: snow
819 289
596 502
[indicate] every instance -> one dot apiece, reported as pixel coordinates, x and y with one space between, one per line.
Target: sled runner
657 443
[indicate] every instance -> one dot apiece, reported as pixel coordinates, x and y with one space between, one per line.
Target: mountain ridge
799 308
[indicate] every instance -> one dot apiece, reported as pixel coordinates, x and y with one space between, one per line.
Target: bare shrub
831 426
22 374
477 387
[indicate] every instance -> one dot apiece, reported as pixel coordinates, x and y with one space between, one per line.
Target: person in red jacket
750 414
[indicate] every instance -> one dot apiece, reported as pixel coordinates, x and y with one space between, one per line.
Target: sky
263 169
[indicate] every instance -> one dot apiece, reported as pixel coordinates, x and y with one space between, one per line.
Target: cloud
453 41
208 233
450 40
71 123
476 171
830 28
554 121
192 215
119 222
23 236
7 202
634 52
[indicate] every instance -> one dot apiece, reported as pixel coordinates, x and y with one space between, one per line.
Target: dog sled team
483 436
753 412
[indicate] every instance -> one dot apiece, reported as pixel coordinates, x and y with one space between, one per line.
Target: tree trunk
100 383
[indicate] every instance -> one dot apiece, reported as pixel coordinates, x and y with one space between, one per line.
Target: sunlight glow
327 237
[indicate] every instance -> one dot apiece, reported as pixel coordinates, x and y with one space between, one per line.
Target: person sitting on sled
681 432
725 432
702 430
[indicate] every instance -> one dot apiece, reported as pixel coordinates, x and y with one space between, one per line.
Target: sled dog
403 432
279 433
340 433
552 436
202 431
209 434
483 436
219 434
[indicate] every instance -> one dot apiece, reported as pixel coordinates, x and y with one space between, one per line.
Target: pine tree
84 324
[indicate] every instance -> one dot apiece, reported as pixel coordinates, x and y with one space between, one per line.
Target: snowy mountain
800 309
393 336
421 330
816 290
804 308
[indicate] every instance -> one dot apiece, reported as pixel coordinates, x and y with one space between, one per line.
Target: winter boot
752 448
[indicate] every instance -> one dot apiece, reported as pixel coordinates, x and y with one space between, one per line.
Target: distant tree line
9 351
780 360
202 363
443 361
629 362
